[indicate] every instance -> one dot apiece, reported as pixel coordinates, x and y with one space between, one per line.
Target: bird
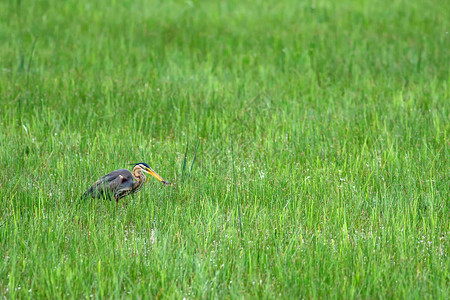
121 183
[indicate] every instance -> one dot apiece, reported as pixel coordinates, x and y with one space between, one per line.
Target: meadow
308 144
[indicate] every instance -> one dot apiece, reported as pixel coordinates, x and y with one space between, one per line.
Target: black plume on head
142 163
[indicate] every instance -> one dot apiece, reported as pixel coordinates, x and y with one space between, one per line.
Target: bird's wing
124 187
111 183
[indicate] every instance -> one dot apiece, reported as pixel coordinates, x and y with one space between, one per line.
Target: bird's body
120 183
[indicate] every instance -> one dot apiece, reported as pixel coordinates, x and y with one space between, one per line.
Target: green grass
323 166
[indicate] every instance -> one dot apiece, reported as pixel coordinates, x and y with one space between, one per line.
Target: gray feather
116 184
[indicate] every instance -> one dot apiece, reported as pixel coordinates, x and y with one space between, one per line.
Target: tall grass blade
31 59
237 194
183 170
193 160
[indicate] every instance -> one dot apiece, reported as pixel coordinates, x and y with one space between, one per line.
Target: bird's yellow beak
154 174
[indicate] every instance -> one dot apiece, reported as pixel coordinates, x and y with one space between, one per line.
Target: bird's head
146 168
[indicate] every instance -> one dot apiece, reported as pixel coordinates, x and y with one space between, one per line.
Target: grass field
323 135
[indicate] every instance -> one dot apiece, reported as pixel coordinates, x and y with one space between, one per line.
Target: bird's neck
139 175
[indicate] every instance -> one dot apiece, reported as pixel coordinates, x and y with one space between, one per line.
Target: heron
121 183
